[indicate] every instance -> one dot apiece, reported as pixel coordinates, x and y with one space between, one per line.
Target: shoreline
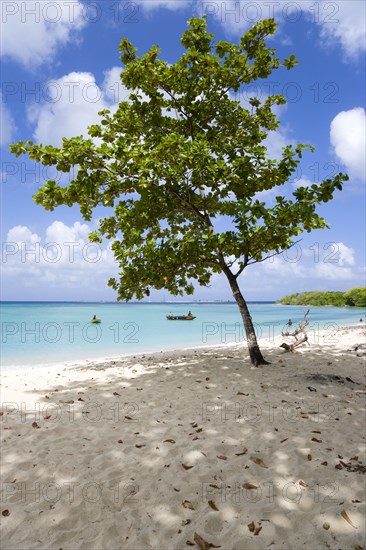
147 451
263 342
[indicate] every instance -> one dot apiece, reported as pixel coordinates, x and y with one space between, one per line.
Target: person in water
94 317
189 313
289 322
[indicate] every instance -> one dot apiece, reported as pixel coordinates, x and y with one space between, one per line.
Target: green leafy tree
178 154
314 298
356 296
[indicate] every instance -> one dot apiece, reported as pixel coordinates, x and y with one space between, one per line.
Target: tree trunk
255 353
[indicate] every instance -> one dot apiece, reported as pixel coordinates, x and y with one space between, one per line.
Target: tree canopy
181 154
356 296
353 297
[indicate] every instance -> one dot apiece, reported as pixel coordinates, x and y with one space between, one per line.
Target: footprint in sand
214 526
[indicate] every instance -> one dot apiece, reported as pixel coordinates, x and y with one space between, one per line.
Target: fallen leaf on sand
249 486
259 462
283 440
326 526
316 440
212 505
35 425
185 522
120 441
116 393
70 401
5 513
140 446
311 388
310 457
128 418
242 393
186 467
47 417
244 452
302 483
189 543
356 501
251 526
222 457
203 544
347 518
187 504
258 530
168 441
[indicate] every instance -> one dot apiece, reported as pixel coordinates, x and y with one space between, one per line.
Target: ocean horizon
44 333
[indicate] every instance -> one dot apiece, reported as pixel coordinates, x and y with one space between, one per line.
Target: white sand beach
188 449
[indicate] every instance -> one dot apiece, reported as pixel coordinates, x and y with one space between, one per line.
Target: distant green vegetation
353 297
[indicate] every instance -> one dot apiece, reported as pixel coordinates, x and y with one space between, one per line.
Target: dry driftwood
299 334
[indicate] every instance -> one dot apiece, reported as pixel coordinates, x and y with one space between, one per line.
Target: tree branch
274 254
300 330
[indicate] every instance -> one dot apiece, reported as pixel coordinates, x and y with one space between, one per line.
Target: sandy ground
188 449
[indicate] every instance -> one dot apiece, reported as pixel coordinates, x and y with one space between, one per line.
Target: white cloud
112 87
331 261
339 22
331 273
58 232
73 104
63 258
33 31
62 263
302 182
21 234
345 254
276 141
347 136
7 126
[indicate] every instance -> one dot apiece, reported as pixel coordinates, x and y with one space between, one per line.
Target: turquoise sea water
44 333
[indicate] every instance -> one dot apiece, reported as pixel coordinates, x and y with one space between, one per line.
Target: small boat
180 317
96 321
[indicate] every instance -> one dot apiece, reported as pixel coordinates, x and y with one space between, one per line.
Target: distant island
354 297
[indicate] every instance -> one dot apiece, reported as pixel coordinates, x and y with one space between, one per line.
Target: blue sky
60 66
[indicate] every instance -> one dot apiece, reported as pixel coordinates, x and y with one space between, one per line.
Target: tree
178 154
356 296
